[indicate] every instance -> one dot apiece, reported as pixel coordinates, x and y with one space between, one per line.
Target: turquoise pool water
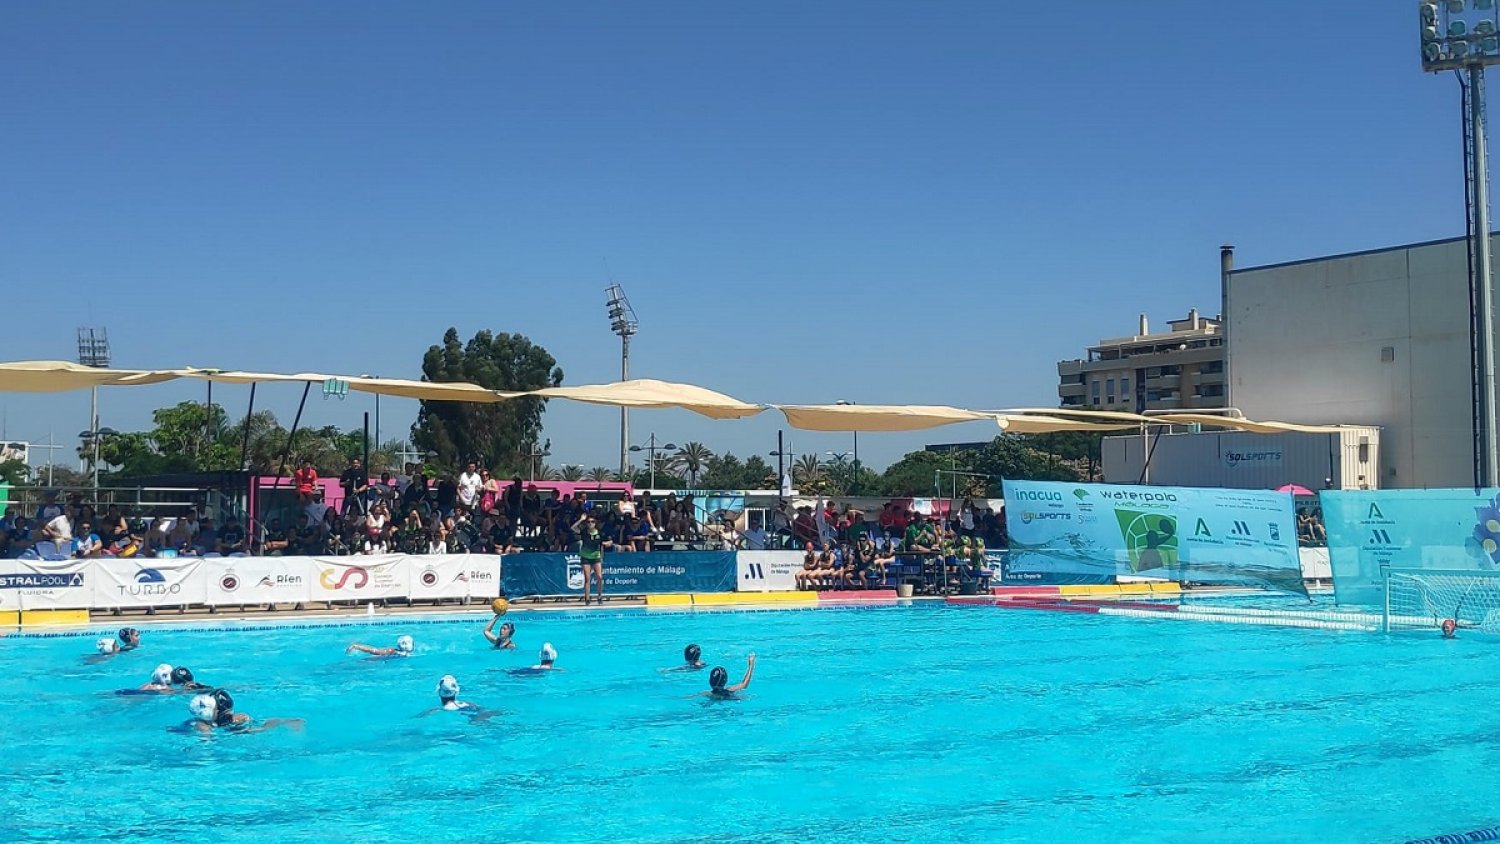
905 723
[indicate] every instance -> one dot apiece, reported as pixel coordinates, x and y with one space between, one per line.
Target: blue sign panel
1407 529
624 574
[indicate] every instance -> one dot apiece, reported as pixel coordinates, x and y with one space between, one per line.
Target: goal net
1423 598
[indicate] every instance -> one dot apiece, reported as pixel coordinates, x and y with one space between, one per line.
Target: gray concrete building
1180 368
1377 338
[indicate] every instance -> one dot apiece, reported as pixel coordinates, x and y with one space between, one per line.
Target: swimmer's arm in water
293 724
369 650
745 683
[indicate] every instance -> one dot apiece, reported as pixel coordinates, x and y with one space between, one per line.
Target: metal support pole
1484 282
856 465
291 438
245 445
624 413
780 470
94 435
367 444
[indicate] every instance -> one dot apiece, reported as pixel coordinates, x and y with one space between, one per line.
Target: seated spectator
112 527
440 542
375 525
503 535
823 576
412 537
58 530
305 480
275 543
415 493
868 571
807 578
920 538
86 543
207 539
306 540
755 537
231 537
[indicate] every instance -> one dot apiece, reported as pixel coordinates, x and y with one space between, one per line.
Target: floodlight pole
625 412
1484 293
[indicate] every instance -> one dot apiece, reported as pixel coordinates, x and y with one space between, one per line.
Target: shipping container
1347 459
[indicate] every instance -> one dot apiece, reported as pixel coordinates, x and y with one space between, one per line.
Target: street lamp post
1465 37
92 439
622 322
533 453
651 448
377 414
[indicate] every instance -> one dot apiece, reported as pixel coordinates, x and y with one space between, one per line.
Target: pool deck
1084 599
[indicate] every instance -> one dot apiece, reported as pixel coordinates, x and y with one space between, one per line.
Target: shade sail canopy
1052 424
56 376
1247 425
646 392
876 417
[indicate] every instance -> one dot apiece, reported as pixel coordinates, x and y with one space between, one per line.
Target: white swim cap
447 688
162 676
105 646
549 653
404 644
203 708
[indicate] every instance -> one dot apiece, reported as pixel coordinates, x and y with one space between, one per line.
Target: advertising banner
624 573
45 585
1406 528
364 578
454 576
141 582
258 580
767 571
1223 536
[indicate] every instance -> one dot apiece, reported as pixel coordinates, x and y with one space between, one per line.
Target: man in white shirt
59 531
755 537
468 487
316 509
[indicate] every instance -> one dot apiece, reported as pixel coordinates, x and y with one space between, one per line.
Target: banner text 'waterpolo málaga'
1408 529
1220 536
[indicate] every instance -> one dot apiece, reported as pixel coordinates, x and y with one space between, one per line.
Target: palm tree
691 458
546 473
571 472
599 474
807 470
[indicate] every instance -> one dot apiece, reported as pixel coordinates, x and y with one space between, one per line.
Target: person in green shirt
918 537
591 545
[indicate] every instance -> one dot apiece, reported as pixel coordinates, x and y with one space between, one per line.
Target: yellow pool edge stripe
670 600
38 618
722 598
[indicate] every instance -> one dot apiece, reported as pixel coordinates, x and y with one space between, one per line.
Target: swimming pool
921 723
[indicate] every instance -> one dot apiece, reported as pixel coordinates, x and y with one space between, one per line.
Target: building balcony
1074 389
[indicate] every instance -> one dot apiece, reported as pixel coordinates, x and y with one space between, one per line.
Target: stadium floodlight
1465 38
623 323
1456 35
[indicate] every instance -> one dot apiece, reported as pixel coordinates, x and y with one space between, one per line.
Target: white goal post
1423 598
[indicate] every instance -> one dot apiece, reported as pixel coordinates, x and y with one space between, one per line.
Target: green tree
571 472
915 474
723 471
14 472
758 474
691 458
492 434
1080 448
599 474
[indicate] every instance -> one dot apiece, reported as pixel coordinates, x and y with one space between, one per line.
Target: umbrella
1297 490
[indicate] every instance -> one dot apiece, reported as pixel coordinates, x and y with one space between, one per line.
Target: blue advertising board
624 574
1410 529
1200 535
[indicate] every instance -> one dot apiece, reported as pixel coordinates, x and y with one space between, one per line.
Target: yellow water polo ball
499 605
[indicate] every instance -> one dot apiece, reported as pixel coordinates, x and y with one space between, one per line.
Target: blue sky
873 201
